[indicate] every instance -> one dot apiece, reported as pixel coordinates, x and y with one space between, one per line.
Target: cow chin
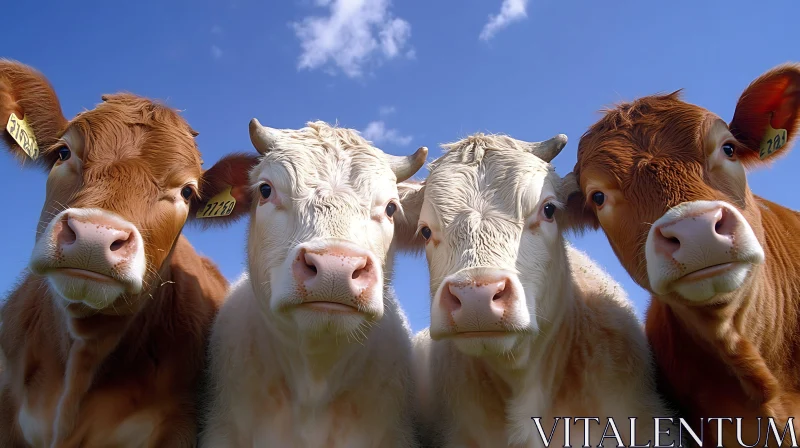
324 322
96 294
477 345
328 316
331 314
730 277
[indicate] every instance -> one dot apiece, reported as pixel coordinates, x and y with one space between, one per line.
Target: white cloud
510 11
377 133
356 33
216 52
386 110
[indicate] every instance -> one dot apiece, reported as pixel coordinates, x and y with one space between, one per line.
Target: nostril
500 292
120 243
308 262
363 268
66 234
504 292
725 223
668 238
311 267
450 299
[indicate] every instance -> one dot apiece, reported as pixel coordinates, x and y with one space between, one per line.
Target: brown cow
666 182
104 340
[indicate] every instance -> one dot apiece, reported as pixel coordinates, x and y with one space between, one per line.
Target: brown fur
87 374
740 356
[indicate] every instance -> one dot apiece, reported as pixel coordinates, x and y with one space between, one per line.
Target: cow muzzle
90 256
479 303
701 249
338 277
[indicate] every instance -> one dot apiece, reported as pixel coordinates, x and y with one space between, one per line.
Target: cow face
122 179
322 225
490 223
666 181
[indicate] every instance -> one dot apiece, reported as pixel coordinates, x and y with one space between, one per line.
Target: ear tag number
218 206
22 133
774 139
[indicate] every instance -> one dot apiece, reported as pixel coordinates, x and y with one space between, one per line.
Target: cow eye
598 197
390 209
426 232
549 210
187 192
265 190
64 153
728 149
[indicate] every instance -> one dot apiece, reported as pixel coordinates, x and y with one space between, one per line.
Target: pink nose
336 273
479 303
711 230
97 242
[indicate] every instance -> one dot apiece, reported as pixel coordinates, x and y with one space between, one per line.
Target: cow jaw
90 256
701 250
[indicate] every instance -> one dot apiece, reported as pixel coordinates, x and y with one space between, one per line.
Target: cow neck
92 338
311 356
755 329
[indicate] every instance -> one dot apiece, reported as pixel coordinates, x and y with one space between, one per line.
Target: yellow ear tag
773 140
23 134
220 205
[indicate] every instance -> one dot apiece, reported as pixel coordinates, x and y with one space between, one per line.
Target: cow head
490 225
322 224
122 180
666 182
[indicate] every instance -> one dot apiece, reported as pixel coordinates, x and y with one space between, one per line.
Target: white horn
404 167
548 149
260 137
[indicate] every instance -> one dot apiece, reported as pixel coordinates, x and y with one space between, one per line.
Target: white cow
311 348
522 326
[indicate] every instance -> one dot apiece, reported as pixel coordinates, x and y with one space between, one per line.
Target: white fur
282 376
575 349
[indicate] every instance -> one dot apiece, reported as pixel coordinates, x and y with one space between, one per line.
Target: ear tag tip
220 205
773 141
21 132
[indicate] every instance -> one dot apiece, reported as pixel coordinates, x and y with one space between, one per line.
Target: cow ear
767 116
405 223
576 216
224 195
30 114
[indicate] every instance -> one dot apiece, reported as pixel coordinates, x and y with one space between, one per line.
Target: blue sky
407 73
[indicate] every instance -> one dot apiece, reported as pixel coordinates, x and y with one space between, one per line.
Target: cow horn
404 167
548 149
261 137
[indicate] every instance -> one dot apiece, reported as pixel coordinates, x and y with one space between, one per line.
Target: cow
103 340
666 182
523 325
311 347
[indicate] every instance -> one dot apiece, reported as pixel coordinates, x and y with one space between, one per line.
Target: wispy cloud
216 51
355 34
511 11
377 133
386 110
